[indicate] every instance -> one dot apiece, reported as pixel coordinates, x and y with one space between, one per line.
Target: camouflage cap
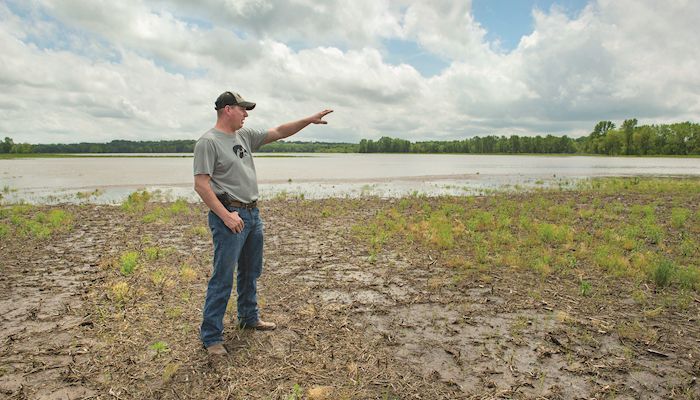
232 99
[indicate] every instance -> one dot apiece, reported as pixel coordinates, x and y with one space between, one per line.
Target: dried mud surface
349 326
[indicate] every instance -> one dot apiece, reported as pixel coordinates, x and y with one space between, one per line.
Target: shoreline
12 156
394 187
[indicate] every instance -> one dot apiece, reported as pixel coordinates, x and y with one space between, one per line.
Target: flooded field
592 292
109 180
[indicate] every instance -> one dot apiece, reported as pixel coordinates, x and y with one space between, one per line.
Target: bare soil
402 324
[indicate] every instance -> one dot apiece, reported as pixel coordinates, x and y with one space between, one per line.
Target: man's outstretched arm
290 128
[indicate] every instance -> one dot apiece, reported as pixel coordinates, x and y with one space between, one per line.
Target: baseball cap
232 99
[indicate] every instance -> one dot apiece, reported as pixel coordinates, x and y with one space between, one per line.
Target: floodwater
110 179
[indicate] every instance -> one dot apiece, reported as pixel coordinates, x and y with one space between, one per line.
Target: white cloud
308 23
145 69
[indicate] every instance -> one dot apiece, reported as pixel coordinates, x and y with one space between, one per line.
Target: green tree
613 142
363 146
642 140
6 145
21 148
601 128
628 129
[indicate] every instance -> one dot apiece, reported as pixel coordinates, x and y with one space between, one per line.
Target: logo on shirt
240 151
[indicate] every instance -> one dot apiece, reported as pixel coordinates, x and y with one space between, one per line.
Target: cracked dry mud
350 326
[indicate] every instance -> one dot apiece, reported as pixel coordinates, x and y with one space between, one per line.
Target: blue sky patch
409 52
506 21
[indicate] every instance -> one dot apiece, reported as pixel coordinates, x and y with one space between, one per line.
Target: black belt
226 200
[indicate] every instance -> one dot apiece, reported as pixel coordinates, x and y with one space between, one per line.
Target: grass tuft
187 273
128 262
120 291
159 347
662 272
679 217
585 288
136 201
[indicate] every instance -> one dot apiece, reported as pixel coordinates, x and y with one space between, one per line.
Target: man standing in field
224 177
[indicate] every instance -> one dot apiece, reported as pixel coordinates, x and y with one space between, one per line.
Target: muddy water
111 179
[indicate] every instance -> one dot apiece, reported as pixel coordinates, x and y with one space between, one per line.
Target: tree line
629 139
165 146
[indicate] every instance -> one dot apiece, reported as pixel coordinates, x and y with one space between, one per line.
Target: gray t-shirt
228 159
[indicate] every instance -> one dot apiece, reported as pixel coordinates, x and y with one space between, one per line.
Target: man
224 177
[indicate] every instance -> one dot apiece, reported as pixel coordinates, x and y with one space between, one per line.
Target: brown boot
260 325
217 350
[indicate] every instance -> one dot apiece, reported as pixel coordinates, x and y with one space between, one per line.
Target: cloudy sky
98 70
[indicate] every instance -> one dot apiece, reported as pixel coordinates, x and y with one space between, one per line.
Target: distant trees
119 146
384 145
308 147
672 139
6 145
479 145
630 139
164 146
628 129
9 146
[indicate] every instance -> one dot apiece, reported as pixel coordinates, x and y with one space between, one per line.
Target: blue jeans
230 248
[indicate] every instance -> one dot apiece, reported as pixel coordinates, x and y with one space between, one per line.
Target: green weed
481 221
639 211
679 216
542 264
662 272
180 206
60 219
636 185
561 212
37 230
607 258
585 288
158 277
136 201
297 393
165 214
120 291
128 262
187 273
622 235
42 225
153 253
554 234
200 231
688 277
689 248
652 233
159 347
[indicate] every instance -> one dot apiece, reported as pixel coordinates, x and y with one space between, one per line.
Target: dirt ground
399 324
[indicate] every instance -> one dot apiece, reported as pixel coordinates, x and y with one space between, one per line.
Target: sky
94 71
